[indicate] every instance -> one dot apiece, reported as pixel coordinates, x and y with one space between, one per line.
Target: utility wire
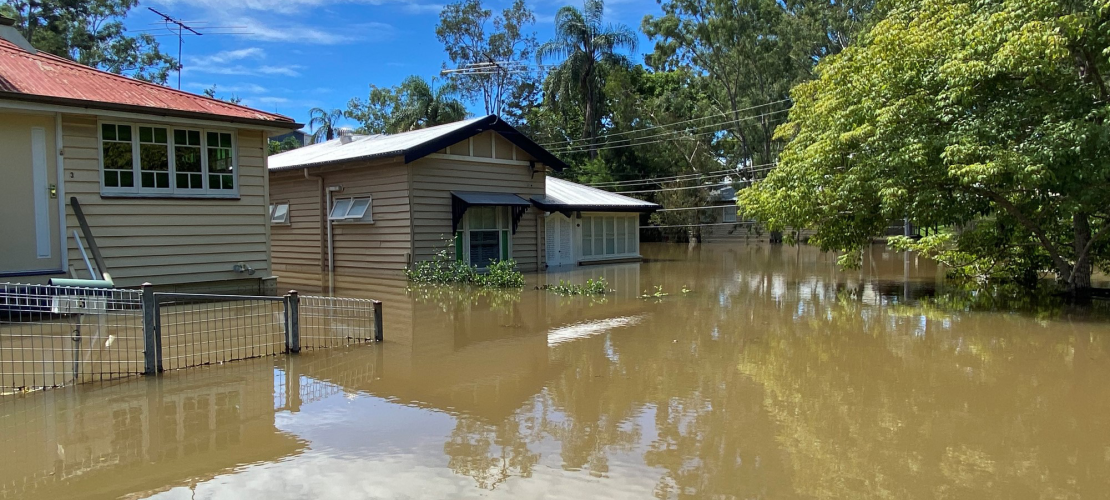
685 177
692 208
701 225
617 134
672 134
683 188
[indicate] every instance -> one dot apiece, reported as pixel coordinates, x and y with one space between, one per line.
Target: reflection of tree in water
491 453
892 403
776 379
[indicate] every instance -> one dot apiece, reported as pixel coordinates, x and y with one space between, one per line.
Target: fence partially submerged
51 336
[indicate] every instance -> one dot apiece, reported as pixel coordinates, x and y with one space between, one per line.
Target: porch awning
462 200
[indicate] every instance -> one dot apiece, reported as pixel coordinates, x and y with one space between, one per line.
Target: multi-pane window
351 209
484 236
610 235
154 158
186 155
118 152
221 168
166 161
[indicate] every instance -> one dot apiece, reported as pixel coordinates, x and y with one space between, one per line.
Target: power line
701 225
616 134
665 137
692 208
651 180
768 166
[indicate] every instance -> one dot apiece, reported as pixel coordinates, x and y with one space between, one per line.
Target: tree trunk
1081 272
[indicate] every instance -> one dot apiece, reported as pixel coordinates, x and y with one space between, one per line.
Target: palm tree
424 105
586 47
324 123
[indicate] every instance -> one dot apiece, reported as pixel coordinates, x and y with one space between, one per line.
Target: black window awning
462 200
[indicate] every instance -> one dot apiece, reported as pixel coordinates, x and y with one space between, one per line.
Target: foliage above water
592 287
443 269
985 117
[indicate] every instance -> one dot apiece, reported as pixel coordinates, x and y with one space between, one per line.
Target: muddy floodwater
757 372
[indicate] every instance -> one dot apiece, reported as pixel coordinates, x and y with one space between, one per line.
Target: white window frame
137 191
503 224
274 211
632 236
349 217
728 213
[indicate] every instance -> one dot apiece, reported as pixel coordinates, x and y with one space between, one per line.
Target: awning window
462 200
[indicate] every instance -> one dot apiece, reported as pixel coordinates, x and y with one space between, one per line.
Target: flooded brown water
774 376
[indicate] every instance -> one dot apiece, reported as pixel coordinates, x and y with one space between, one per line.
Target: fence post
152 362
293 321
378 335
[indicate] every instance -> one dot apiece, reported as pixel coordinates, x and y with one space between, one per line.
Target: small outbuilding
586 225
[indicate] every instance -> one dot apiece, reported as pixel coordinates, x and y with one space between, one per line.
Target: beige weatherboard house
172 185
373 205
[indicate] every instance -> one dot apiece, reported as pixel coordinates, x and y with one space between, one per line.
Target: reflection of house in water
142 436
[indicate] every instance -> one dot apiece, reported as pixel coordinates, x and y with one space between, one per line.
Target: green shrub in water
442 269
592 287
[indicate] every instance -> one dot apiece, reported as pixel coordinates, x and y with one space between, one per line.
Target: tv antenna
178 28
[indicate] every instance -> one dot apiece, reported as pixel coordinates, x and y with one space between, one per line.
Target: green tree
288 144
324 123
422 104
984 117
91 32
375 114
749 53
585 46
503 54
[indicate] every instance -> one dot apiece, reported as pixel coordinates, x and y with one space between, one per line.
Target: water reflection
777 376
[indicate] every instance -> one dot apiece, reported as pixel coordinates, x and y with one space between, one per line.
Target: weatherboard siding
435 177
381 248
168 241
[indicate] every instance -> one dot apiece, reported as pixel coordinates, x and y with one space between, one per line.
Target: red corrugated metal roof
50 76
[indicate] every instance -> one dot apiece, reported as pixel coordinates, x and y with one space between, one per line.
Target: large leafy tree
324 123
584 46
749 53
986 117
423 104
91 32
503 53
415 103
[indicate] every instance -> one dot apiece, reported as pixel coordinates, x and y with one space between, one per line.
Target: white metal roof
577 197
365 146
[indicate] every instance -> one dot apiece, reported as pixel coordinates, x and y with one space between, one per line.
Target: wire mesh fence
199 329
338 321
51 336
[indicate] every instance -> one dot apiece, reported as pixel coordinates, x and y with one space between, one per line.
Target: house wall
435 176
378 249
170 241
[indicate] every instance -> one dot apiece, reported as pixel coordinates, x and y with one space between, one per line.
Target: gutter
147 110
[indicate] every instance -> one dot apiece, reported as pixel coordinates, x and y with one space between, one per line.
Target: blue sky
307 53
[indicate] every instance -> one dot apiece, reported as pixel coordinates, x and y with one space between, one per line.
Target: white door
560 240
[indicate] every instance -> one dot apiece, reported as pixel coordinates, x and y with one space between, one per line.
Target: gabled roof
411 145
566 196
45 78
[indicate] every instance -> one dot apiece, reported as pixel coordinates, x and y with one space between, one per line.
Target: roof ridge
19 52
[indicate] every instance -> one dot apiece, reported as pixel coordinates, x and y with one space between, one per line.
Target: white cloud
235 62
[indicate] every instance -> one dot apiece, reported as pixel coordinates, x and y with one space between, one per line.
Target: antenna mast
180 39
